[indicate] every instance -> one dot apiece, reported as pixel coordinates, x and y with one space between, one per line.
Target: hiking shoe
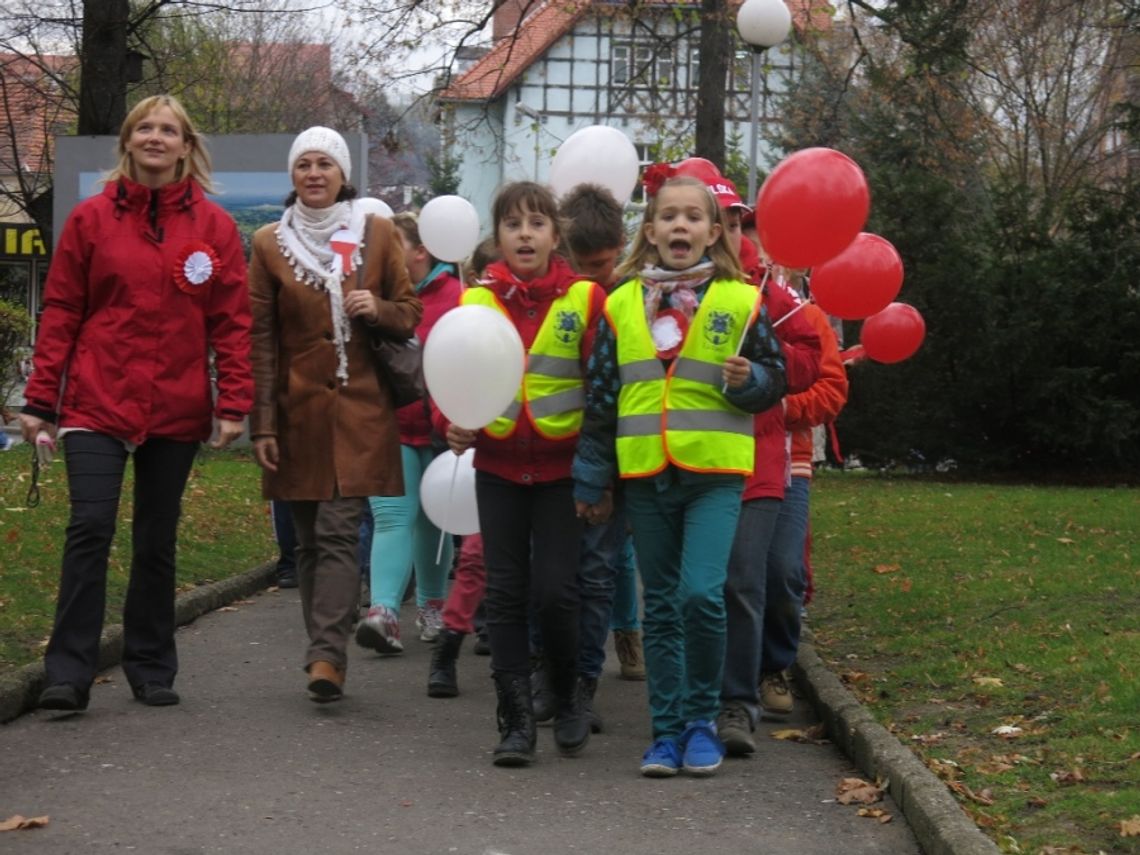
661 760
734 727
702 751
155 695
429 620
627 645
776 693
63 697
380 631
482 646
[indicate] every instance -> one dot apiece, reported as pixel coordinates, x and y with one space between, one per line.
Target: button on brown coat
328 434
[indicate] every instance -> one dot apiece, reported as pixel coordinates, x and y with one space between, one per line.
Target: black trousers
95 467
531 542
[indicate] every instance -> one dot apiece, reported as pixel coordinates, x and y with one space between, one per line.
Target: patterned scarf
303 238
678 284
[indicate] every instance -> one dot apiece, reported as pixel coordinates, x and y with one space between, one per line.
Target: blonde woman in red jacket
148 278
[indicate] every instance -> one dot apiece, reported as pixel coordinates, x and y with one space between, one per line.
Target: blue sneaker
661 760
703 750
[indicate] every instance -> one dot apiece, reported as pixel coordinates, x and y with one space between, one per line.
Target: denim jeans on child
745 593
786 580
682 536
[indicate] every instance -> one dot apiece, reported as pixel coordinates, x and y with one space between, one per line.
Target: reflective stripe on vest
681 417
552 392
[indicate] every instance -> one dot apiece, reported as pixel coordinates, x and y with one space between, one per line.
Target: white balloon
370 205
449 227
473 364
447 493
597 154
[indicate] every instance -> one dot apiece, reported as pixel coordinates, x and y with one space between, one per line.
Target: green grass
952 609
225 530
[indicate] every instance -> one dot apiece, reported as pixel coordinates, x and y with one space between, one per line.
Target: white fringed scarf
303 237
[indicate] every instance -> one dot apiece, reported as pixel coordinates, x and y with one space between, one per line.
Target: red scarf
530 292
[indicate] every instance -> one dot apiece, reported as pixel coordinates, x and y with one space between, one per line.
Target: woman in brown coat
323 424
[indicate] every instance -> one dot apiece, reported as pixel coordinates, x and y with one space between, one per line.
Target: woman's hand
362 304
460 439
736 372
227 431
32 425
265 452
599 513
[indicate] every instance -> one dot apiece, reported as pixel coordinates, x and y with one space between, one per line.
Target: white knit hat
326 141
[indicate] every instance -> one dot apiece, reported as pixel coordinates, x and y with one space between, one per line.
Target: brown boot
326 682
627 644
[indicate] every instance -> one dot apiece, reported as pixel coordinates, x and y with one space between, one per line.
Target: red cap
722 188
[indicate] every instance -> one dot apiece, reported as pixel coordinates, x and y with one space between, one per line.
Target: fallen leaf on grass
887 568
857 790
984 797
1130 827
875 813
19 823
989 681
928 738
1062 778
1007 731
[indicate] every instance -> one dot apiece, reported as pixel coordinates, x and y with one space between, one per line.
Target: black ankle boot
571 724
442 680
543 700
587 686
516 721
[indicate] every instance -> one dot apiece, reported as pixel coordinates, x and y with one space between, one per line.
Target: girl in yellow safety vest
682 359
531 534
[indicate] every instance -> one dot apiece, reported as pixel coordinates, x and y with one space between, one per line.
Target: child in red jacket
531 533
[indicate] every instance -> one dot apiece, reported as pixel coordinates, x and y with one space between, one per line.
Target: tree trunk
103 54
715 50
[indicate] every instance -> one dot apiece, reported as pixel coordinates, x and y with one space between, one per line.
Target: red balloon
859 281
894 334
811 207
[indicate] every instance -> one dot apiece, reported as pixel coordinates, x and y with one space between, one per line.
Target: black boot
571 724
540 691
442 681
516 721
586 688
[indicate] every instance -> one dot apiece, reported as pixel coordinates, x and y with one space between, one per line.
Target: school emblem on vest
718 327
568 327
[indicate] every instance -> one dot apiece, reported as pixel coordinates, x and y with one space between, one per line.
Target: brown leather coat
328 435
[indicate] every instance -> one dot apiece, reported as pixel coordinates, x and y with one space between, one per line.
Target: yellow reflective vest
553 389
681 416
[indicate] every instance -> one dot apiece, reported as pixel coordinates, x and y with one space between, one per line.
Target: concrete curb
20 691
938 821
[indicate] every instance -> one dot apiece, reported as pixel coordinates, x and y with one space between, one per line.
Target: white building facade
597 63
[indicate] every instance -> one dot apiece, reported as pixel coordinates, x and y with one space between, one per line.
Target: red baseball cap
722 188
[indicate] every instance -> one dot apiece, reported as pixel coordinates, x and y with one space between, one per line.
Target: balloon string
751 317
789 314
447 513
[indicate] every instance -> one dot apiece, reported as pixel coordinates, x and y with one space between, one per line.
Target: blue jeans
404 537
786 580
745 594
602 549
683 535
286 537
626 605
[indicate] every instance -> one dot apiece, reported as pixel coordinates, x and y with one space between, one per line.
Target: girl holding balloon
684 356
531 534
403 536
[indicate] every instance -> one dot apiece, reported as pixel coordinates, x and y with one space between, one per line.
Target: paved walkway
247 764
